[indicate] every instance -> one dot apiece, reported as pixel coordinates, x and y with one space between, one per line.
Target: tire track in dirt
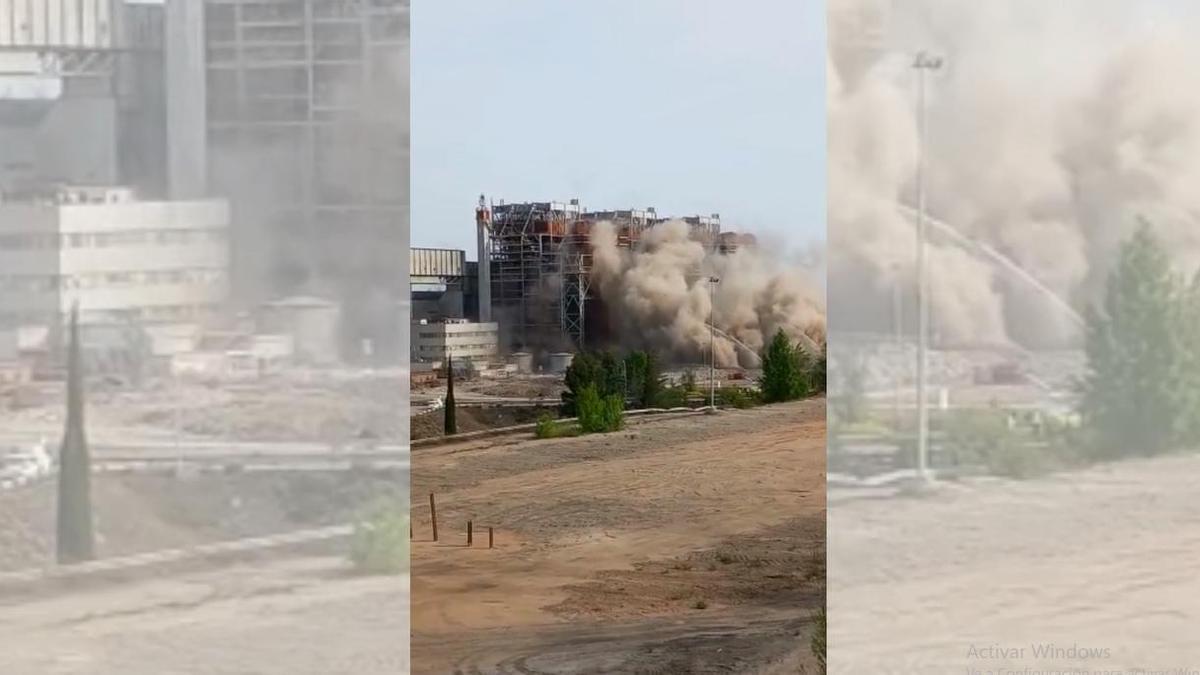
718 644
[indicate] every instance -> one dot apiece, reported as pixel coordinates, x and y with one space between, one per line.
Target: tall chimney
483 219
187 99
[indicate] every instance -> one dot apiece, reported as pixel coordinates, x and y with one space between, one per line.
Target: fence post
468 533
491 538
433 515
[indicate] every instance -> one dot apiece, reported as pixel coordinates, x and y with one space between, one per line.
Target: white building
121 259
460 339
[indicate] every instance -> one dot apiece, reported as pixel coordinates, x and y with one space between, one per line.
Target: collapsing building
307 134
536 280
294 111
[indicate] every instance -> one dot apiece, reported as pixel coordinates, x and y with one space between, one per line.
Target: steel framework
316 85
540 263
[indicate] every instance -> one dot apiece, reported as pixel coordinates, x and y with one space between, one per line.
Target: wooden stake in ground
491 538
468 533
75 539
433 515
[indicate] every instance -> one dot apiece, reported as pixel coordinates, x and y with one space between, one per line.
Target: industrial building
119 259
294 111
307 130
535 281
439 283
475 342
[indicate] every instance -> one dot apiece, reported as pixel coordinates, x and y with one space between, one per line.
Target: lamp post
712 342
898 329
923 63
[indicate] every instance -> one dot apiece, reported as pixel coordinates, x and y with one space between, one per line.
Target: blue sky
690 106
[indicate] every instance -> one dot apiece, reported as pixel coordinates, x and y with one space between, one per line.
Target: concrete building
122 260
438 281
478 343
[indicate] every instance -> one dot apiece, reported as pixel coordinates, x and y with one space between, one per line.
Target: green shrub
599 414
380 540
689 382
786 370
819 371
548 427
738 397
602 370
984 437
818 643
672 397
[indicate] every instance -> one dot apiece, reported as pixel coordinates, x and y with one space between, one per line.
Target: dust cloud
659 294
1054 128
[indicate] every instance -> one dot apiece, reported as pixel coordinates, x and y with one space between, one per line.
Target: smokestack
482 225
187 120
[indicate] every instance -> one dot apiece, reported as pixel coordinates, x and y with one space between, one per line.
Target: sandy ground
433 424
321 408
297 617
141 513
1099 559
685 545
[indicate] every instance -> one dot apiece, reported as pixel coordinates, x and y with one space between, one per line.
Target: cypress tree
75 539
451 423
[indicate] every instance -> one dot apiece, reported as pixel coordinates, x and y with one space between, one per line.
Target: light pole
924 63
712 342
898 328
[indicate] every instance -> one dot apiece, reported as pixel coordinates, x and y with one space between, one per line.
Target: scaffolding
315 89
308 137
540 264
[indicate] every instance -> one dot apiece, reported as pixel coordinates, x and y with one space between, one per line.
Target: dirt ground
432 424
290 617
543 386
274 615
684 545
1103 558
141 513
275 409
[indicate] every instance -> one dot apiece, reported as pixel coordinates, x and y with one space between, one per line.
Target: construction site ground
690 544
523 386
468 419
1101 558
324 408
143 513
273 613
293 616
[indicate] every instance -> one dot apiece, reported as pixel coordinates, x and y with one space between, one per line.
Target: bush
818 643
599 414
819 371
672 397
548 427
737 397
380 540
602 370
689 382
984 437
785 371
